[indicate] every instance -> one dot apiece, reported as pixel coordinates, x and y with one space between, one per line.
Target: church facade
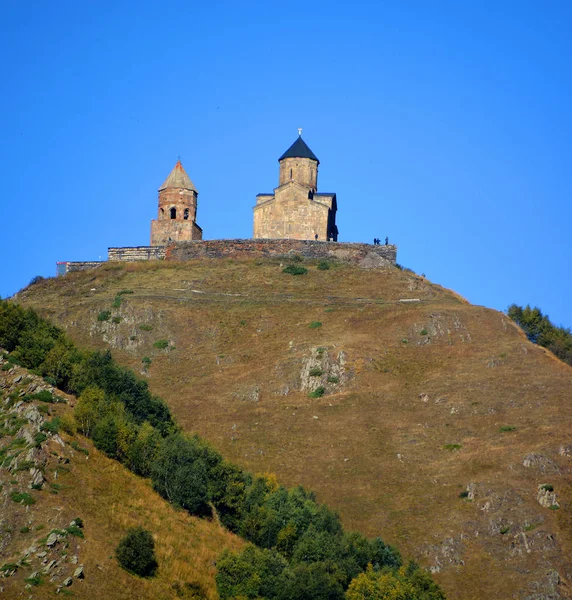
296 210
177 214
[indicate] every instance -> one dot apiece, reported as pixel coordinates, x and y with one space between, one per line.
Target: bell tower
177 215
299 164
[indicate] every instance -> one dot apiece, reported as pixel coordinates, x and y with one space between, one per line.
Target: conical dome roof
179 179
299 149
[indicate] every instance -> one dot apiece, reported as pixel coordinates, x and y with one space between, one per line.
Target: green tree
180 475
136 552
143 450
253 573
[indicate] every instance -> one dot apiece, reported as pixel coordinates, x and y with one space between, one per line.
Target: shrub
315 325
36 279
24 530
43 396
75 530
136 552
464 494
295 270
547 487
504 530
323 265
124 292
116 302
40 438
507 428
116 320
146 361
333 379
452 447
104 315
22 498
161 344
52 426
315 372
34 580
145 327
318 392
423 332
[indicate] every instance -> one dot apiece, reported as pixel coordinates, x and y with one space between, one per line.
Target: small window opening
186 214
290 173
162 212
173 213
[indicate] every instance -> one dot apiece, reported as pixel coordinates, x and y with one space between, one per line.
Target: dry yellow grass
376 451
109 499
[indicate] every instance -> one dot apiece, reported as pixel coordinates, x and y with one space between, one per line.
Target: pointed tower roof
299 149
178 178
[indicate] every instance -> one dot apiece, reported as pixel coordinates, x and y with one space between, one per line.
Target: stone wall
132 254
72 266
365 255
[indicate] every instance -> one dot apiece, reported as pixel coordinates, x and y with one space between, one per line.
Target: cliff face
419 417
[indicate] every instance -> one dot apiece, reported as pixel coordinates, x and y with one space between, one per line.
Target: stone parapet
72 266
366 255
135 253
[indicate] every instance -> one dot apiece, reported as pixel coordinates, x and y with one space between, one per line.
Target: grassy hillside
439 422
81 482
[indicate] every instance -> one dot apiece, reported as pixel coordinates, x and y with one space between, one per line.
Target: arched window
186 214
161 213
173 213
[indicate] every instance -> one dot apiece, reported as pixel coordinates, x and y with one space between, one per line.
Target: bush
161 344
315 372
116 302
333 379
507 428
22 498
104 315
452 447
423 332
116 320
36 279
323 265
315 325
146 327
295 270
318 392
136 552
547 487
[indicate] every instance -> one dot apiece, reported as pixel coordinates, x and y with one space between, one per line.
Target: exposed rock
541 463
74 560
52 539
49 567
546 496
36 478
78 573
67 581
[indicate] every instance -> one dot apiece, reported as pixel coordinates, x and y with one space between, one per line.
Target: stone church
296 210
177 218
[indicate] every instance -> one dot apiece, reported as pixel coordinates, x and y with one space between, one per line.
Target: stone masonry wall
136 253
72 266
365 255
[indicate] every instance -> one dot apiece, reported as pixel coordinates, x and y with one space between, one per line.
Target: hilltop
434 423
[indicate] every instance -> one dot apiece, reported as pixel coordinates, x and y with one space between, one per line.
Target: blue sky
444 125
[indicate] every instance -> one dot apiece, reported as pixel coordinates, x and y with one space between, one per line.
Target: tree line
540 330
299 549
